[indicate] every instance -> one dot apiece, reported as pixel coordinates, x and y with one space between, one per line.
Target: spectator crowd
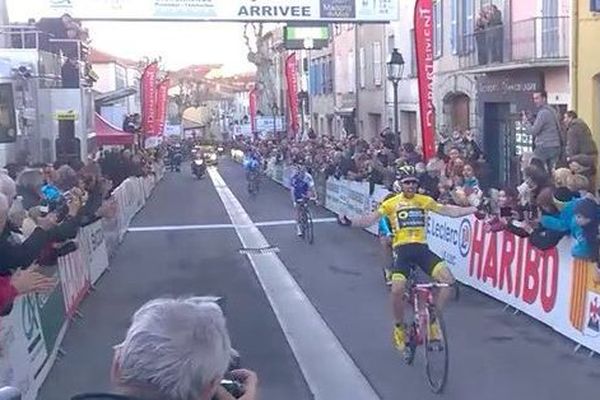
42 208
556 196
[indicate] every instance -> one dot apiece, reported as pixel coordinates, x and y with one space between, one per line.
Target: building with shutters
486 74
585 63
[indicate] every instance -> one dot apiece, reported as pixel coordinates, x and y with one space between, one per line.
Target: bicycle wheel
309 233
302 224
252 186
436 355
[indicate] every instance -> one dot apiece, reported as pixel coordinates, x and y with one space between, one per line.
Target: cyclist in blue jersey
302 186
251 162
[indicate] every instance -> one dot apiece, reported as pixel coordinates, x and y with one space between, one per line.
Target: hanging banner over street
424 51
161 106
292 90
227 10
148 86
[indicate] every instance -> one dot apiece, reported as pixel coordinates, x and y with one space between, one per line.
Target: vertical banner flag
252 106
148 88
292 91
424 50
161 106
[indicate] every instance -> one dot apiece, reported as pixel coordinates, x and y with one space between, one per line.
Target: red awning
110 135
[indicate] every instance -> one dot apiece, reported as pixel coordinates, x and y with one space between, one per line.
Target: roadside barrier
31 335
550 286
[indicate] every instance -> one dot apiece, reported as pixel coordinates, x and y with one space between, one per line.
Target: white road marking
221 226
179 228
330 372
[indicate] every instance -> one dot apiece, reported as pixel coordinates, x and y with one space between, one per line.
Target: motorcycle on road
199 168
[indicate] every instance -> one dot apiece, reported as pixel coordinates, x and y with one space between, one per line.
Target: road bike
253 183
305 220
420 296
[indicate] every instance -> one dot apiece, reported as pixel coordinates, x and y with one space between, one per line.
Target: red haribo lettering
506 260
490 268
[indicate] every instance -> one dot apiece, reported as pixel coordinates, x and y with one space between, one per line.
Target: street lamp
395 69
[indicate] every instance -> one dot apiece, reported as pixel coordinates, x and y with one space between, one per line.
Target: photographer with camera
177 349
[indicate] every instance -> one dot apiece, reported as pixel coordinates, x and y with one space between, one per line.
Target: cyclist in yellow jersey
407 212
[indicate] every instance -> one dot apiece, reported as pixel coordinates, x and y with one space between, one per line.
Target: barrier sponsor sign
75 280
548 285
93 249
350 198
228 10
14 360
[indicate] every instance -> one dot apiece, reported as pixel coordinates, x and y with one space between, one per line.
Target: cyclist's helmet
406 173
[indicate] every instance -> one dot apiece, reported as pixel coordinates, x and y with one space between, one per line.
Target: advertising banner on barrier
23 353
548 285
14 360
75 280
93 249
352 198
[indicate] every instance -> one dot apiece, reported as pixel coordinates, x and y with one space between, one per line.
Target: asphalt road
494 354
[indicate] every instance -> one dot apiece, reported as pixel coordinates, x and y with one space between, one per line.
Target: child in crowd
445 190
580 218
578 184
561 176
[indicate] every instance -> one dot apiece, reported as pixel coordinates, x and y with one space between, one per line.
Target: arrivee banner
292 90
424 51
227 10
161 106
148 87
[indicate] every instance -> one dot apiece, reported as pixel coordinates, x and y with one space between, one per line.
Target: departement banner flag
292 91
161 106
149 111
252 107
424 51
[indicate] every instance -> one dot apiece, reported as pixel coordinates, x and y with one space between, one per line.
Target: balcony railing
542 40
52 53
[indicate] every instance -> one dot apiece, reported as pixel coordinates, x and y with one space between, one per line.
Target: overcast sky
179 44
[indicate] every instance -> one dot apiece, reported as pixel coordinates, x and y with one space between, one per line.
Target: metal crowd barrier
9 393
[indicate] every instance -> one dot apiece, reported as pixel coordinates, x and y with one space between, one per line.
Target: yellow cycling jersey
408 217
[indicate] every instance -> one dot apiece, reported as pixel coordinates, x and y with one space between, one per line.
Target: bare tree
261 54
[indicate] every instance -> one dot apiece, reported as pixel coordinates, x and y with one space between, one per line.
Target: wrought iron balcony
541 42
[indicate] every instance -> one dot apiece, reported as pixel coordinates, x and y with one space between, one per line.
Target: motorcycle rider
175 157
198 165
